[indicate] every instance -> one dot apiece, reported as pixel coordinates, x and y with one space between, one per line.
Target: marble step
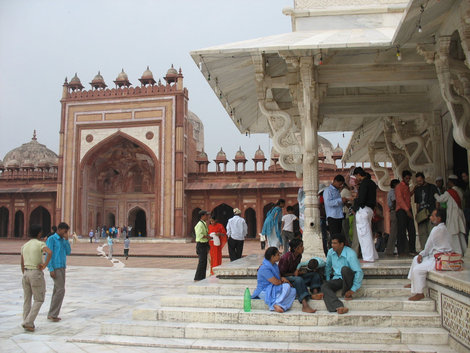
305 334
247 267
252 281
368 290
236 302
291 317
212 345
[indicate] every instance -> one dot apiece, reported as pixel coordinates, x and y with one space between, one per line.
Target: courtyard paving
97 290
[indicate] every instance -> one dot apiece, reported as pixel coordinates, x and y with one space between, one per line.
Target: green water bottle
247 301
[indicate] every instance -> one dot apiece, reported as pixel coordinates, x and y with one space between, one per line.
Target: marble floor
93 295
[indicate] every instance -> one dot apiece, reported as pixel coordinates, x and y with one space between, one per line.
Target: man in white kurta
455 217
438 241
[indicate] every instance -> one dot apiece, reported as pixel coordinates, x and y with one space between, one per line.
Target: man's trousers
235 248
329 289
58 293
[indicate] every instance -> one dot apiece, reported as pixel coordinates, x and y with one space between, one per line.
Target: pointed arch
223 213
112 169
18 232
250 218
137 219
4 219
194 220
40 215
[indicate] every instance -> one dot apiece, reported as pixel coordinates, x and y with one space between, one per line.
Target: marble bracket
413 154
455 90
398 156
281 123
382 173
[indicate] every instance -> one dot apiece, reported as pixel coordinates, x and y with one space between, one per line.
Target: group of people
113 232
211 237
427 197
282 279
441 225
56 248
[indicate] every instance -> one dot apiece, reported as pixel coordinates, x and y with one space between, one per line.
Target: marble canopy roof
361 79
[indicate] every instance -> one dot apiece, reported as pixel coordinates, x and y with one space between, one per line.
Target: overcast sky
44 41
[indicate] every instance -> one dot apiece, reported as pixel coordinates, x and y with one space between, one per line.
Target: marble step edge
400 271
290 318
327 334
236 302
250 346
224 281
367 290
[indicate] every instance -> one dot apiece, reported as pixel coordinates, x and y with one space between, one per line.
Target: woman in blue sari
272 225
275 290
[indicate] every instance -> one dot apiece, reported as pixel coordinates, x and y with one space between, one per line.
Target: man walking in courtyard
60 247
34 285
364 207
236 232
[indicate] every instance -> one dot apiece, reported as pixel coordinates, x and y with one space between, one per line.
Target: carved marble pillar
438 148
308 108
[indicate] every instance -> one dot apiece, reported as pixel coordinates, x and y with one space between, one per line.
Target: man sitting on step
343 264
438 241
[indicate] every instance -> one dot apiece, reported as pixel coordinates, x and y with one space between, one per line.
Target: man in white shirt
236 232
287 227
438 241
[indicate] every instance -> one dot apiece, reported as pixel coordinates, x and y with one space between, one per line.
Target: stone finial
34 136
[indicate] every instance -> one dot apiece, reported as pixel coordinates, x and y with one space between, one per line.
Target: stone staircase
210 317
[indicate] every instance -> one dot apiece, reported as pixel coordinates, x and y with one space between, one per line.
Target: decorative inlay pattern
456 319
149 135
89 138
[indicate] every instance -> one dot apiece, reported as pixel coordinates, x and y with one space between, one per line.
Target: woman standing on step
272 224
275 290
219 237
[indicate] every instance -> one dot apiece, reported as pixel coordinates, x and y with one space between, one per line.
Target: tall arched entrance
4 218
42 217
223 213
19 225
116 173
250 218
137 219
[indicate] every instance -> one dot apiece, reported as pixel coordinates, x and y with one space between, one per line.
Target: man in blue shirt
60 247
341 263
334 205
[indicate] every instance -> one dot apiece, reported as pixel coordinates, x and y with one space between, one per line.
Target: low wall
451 291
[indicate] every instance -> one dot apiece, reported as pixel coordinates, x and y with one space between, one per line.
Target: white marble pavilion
395 72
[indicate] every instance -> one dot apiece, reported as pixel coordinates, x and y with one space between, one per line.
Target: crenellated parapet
74 90
124 91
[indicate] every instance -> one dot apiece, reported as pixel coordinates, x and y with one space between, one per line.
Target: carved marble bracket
417 150
455 90
397 155
281 123
382 173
